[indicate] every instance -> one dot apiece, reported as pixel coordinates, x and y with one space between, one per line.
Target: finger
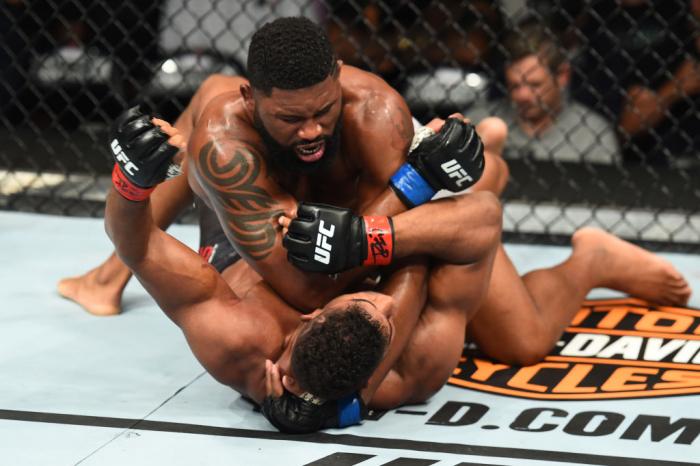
460 117
268 378
284 221
128 115
135 127
164 125
277 389
306 211
301 231
178 141
436 124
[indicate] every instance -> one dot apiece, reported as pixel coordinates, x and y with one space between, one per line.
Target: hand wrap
295 415
451 159
330 239
142 155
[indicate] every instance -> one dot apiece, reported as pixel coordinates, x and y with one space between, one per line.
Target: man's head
341 346
294 93
537 72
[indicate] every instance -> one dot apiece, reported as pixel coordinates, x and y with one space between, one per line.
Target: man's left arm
403 170
381 151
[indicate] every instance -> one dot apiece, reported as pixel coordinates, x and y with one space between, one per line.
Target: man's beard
286 158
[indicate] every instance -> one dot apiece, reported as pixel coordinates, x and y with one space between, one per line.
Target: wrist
126 188
410 186
379 236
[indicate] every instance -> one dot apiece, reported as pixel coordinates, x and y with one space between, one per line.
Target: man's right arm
215 322
457 230
165 267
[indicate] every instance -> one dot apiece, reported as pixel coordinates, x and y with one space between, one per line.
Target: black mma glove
451 159
294 415
142 154
328 239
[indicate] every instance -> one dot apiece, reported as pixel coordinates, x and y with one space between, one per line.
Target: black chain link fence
604 123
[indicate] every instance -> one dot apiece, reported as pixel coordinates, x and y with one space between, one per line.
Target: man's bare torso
364 97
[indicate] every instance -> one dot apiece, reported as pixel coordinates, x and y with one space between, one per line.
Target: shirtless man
251 145
303 379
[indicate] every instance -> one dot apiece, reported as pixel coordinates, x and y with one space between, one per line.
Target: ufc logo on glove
327 239
322 253
455 170
119 154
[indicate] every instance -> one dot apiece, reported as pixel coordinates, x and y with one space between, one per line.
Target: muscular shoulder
217 87
373 110
220 114
366 95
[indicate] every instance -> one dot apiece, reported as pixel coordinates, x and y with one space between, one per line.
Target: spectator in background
543 123
640 59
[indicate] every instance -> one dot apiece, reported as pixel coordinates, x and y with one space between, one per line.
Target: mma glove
452 159
328 239
295 415
142 155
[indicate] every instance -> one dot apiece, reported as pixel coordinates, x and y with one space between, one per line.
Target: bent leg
522 318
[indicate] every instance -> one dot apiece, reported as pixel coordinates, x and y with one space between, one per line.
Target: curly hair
289 53
336 356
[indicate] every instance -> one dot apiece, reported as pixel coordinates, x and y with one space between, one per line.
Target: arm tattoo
248 209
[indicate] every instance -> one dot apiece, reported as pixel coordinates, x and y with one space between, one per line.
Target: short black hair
335 357
289 53
529 37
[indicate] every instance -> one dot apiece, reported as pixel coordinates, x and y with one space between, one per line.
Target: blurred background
600 96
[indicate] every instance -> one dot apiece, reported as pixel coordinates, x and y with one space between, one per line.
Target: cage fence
600 96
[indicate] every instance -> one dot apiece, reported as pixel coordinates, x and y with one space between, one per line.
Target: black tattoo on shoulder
249 210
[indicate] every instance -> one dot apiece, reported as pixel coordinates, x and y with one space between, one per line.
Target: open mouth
310 152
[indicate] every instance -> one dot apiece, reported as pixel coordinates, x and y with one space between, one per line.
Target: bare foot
622 266
99 291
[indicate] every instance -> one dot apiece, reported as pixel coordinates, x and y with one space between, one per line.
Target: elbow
492 214
489 213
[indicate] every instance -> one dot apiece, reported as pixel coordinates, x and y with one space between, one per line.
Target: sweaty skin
231 172
521 318
230 168
221 321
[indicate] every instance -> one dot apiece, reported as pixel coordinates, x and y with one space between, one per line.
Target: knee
489 211
493 133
